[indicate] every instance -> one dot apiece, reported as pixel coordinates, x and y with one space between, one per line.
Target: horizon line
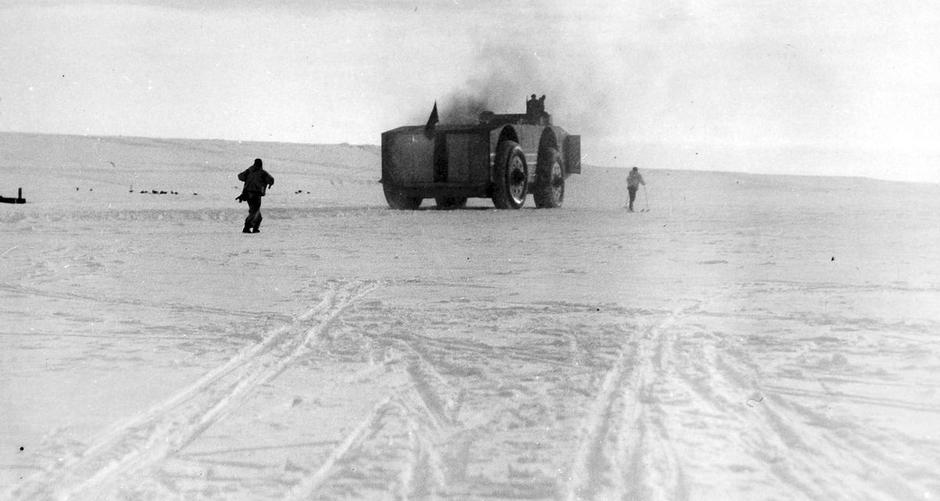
255 141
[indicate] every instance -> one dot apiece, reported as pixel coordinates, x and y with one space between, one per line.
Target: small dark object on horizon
18 200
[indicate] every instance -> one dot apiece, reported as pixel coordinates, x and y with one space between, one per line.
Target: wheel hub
517 180
558 181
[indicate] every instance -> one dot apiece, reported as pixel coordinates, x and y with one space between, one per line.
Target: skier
634 180
257 180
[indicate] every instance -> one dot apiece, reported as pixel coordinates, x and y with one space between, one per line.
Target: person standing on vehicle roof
634 180
257 180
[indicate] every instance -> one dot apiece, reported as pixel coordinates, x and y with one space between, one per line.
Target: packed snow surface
749 337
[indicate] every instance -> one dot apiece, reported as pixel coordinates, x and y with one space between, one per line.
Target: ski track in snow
676 380
133 446
667 396
398 431
397 439
424 440
174 307
618 428
497 361
679 404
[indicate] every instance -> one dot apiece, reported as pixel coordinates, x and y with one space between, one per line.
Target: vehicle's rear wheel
510 176
451 202
550 178
399 201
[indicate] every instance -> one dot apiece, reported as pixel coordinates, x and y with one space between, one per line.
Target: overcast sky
804 87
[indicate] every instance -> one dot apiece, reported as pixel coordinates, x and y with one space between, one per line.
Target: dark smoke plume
505 79
508 72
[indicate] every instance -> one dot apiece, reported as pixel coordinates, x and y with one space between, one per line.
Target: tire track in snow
119 301
145 439
440 400
423 475
616 433
305 488
523 354
815 445
398 444
431 413
405 426
703 378
795 447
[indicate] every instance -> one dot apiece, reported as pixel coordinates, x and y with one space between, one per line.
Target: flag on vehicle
432 120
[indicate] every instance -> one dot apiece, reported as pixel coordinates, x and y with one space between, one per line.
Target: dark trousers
632 191
253 221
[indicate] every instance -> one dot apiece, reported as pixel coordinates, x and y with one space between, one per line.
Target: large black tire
451 202
399 201
510 176
549 190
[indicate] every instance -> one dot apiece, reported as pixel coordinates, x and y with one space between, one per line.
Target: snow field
749 338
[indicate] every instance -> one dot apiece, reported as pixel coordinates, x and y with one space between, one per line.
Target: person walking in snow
257 181
634 180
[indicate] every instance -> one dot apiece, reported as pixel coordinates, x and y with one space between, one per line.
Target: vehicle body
503 157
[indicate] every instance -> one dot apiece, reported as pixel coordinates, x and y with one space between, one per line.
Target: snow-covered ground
750 337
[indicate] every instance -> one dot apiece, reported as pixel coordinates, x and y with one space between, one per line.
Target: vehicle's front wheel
510 176
550 188
397 200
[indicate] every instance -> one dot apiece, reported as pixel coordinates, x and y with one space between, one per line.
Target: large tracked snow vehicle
502 157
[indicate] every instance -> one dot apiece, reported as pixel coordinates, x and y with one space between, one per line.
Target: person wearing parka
257 181
634 180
